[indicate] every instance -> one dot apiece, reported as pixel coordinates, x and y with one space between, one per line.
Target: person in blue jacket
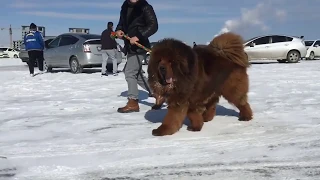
34 44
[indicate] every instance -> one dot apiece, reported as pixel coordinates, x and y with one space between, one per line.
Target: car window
90 36
48 41
289 39
262 40
3 49
308 43
279 39
54 43
68 40
317 43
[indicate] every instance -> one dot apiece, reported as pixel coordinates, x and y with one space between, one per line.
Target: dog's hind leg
196 119
172 121
235 91
245 113
210 111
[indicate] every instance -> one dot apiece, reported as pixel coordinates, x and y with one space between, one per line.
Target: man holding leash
34 44
109 50
139 21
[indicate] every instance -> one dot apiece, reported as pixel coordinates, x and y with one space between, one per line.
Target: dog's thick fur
192 80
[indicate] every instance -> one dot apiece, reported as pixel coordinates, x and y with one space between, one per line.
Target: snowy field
62 126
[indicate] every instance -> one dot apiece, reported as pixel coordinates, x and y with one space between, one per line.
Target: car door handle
286 44
267 46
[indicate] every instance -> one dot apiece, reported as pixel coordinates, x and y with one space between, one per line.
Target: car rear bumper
303 52
90 59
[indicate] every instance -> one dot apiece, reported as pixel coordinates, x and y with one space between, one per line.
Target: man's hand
133 40
120 34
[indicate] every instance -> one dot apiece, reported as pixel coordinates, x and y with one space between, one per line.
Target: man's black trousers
35 56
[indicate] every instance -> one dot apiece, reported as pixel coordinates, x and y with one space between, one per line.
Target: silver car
23 54
276 47
76 51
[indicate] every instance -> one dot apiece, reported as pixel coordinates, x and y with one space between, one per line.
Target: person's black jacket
140 22
106 41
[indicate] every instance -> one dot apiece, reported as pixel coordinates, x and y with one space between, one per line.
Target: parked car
276 47
24 54
76 51
3 54
313 50
147 56
9 52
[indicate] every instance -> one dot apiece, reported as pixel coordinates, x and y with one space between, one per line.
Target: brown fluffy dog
192 80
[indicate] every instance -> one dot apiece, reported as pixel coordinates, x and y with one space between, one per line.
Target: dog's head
173 65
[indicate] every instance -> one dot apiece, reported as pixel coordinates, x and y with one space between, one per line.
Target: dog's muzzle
163 72
164 79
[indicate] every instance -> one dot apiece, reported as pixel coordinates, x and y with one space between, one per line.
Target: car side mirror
317 45
251 44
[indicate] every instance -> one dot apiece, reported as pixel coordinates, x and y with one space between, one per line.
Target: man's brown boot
132 106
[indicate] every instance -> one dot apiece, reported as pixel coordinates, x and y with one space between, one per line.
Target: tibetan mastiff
191 80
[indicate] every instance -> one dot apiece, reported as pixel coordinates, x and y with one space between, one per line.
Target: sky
187 20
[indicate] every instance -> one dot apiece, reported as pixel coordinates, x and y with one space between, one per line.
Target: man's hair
110 25
33 26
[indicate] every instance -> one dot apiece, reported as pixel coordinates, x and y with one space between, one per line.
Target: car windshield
250 39
308 43
48 40
3 49
90 36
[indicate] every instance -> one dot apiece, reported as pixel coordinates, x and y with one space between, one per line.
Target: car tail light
86 48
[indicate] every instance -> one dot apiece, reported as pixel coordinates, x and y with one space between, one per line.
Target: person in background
109 50
139 21
34 44
194 44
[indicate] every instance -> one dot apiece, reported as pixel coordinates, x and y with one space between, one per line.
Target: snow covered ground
63 126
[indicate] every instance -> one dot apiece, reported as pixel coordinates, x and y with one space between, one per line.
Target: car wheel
312 56
293 56
46 68
282 61
15 56
75 66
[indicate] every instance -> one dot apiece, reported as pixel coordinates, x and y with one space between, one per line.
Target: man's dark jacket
140 20
106 41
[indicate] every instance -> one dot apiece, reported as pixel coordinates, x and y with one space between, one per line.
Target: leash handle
114 35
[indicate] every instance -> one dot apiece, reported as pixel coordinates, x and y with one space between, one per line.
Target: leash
114 35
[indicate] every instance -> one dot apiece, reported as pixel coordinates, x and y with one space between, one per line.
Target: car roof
313 40
271 35
78 34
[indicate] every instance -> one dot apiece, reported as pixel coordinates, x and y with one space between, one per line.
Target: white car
276 47
3 54
12 53
313 50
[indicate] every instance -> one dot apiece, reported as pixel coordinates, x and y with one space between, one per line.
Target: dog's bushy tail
230 46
